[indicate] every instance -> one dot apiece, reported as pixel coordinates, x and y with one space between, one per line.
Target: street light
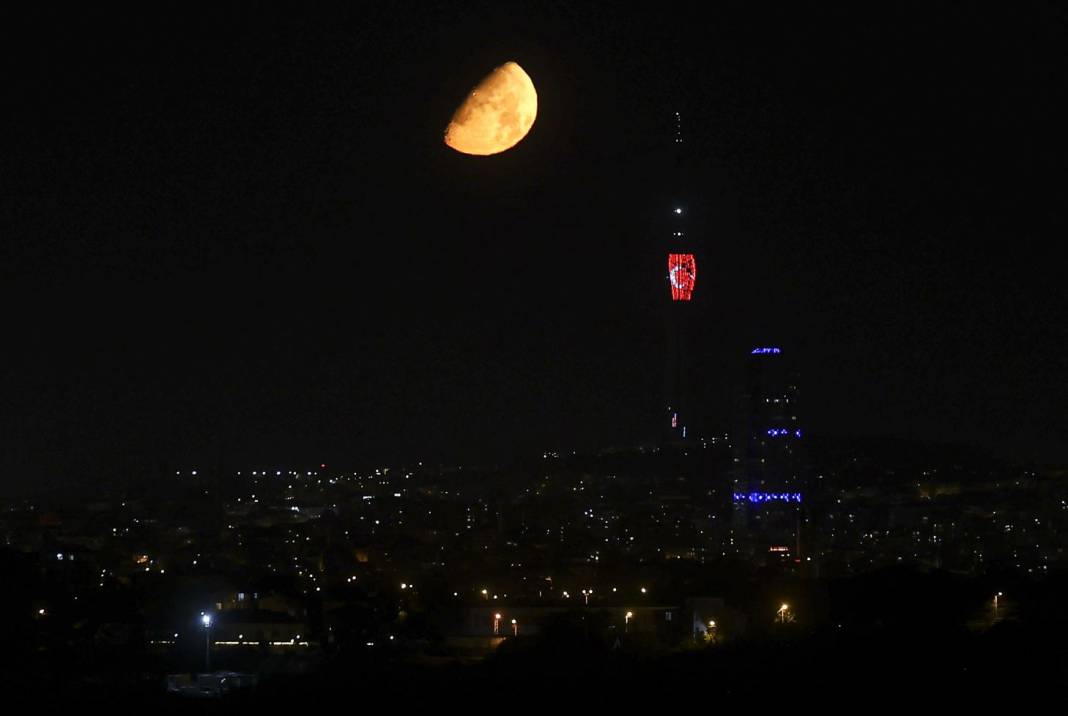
496 623
586 594
996 604
712 630
205 619
782 613
515 628
626 621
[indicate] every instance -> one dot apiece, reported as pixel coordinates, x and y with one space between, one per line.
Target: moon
496 115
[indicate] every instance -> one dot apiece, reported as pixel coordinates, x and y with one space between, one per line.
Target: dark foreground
1010 660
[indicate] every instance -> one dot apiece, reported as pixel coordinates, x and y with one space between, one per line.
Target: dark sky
239 237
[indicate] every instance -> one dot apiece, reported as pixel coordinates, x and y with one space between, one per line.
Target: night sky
237 239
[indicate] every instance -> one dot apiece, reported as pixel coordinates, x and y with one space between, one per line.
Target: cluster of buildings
306 560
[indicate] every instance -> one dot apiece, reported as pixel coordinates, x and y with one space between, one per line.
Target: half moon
496 115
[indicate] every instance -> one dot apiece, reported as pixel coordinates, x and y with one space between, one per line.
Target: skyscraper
768 476
771 429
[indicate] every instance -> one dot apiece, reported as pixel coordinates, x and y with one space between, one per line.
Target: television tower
681 279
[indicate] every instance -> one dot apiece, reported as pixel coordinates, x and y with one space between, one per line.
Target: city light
205 619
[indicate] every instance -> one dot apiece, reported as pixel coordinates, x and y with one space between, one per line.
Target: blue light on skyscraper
760 497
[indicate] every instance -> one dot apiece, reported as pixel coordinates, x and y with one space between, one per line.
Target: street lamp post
515 628
996 604
626 622
782 613
205 619
496 624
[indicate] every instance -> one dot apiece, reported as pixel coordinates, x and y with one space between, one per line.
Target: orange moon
496 115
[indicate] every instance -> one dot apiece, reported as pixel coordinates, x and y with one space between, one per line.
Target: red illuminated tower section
677 422
682 274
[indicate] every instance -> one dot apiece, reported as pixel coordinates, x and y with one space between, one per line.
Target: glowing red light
682 274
